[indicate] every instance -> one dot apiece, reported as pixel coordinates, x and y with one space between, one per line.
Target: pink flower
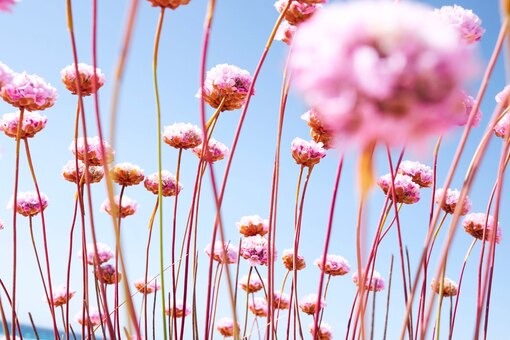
298 11
323 333
216 151
467 23
87 79
254 286
255 250
107 274
30 92
501 127
406 191
319 132
258 306
375 284
95 173
285 32
92 319
222 250
503 94
128 206
150 288
281 300
179 309
6 74
335 265
172 4
450 287
288 260
127 174
60 296
168 181
104 253
308 304
94 154
182 135
476 224
420 174
33 122
28 205
451 201
227 83
5 5
380 72
468 103
226 327
253 225
307 153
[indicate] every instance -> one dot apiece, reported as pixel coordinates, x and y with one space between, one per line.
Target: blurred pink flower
255 250
467 23
226 327
172 4
218 252
451 201
450 287
95 173
468 103
94 154
285 32
298 11
93 319
216 151
128 207
324 332
104 253
319 132
281 300
288 260
307 153
376 284
475 224
33 122
254 286
253 225
503 94
179 309
127 174
27 203
6 74
258 306
335 265
30 92
106 273
168 181
501 127
420 174
150 288
182 135
308 304
406 191
87 79
60 296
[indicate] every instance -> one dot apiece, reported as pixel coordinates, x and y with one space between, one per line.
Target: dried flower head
60 296
298 11
451 201
307 153
92 319
373 282
168 181
467 23
30 92
127 174
255 285
450 288
149 288
223 253
33 122
288 260
6 74
172 4
95 173
180 311
94 154
86 76
308 304
323 333
255 250
335 265
258 306
281 300
253 225
420 174
216 151
406 191
226 327
108 274
182 135
285 32
478 224
104 253
28 204
128 206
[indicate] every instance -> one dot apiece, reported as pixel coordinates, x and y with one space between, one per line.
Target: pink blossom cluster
180 311
95 173
92 319
29 92
107 274
258 306
288 260
104 253
285 32
307 153
170 187
481 226
406 191
32 123
87 78
308 303
319 132
255 284
93 150
467 23
335 265
225 327
420 174
281 300
450 287
298 11
61 295
182 135
149 288
451 200
6 74
223 253
28 204
127 174
216 151
468 103
373 282
255 250
253 225
172 4
323 333
128 206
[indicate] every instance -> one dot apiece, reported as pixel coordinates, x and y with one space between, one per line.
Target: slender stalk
388 299
247 299
49 298
174 231
147 252
116 314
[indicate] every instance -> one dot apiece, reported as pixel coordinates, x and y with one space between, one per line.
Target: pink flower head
104 253
451 201
501 127
254 286
182 135
450 287
95 173
503 94
30 92
87 79
468 103
255 250
319 132
258 306
307 153
335 265
128 206
476 224
127 174
281 300
172 4
253 225
285 32
406 191
28 205
33 122
216 151
94 155
298 11
308 304
6 74
380 72
467 23
375 284
60 296
148 288
168 181
223 253
179 309
420 174
226 327
108 274
92 319
323 333
288 260
227 83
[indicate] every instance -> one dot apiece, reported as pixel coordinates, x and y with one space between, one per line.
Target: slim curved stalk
147 252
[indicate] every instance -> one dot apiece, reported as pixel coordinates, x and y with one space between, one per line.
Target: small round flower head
168 181
216 151
95 173
94 154
323 333
254 286
28 205
227 83
420 174
376 284
451 200
223 253
253 225
226 327
503 95
172 4
377 72
450 288
308 304
92 319
6 74
179 309
319 132
258 306
87 79
106 273
104 253
126 174
501 127
467 23
285 32
30 92
61 296
33 122
255 250
128 207
150 288
182 135
307 153
335 265
468 102
298 11
406 191
288 260
475 225
281 300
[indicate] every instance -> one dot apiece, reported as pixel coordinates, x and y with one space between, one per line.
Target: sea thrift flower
254 286
150 288
179 309
476 223
308 304
501 127
6 74
451 200
406 191
307 153
92 319
420 174
104 253
467 23
323 333
380 72
28 205
253 225
172 4
468 102
61 296
127 174
285 32
503 94
106 273
128 207
281 300
216 151
335 265
169 184
376 284
87 79
450 288
30 92
226 327
95 173
182 135
288 260
298 11
255 250
319 132
227 83
94 155
33 122
258 306
223 253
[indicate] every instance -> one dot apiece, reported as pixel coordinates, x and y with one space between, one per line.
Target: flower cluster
374 282
107 274
92 319
406 191
104 253
255 250
32 123
127 174
323 333
319 132
335 265
148 288
87 78
468 102
308 304
285 32
467 23
182 135
226 327
481 226
6 74
253 286
95 173
61 295
253 225
298 11
128 206
451 200
223 253
28 204
258 306
450 288
307 153
281 300
179 309
216 151
420 174
172 4
92 150
288 260
30 92
170 187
